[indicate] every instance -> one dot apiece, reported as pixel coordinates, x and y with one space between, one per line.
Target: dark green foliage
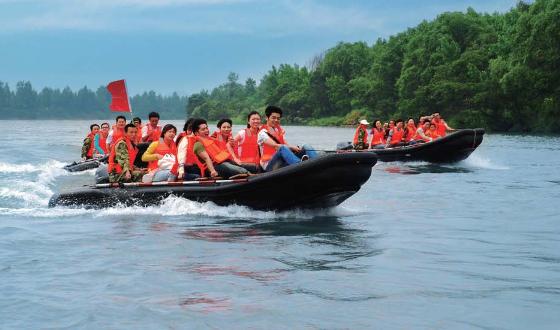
498 71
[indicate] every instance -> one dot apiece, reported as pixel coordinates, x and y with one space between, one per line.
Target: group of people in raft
194 152
396 134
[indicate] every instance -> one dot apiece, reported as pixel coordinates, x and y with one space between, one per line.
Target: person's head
200 127
130 131
253 119
364 123
410 122
225 126
391 123
168 132
94 128
385 125
137 121
273 115
399 123
378 124
426 124
432 127
121 121
153 118
188 126
105 128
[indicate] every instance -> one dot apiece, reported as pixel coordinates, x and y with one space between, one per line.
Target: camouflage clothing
362 144
121 158
85 148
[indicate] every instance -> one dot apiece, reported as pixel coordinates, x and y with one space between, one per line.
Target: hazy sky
188 45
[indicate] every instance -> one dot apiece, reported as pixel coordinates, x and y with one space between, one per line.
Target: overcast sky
189 45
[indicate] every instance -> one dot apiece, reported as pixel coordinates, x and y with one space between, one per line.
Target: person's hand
83 158
213 173
231 141
296 149
159 156
237 160
127 175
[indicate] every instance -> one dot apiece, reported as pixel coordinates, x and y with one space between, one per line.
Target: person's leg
253 168
227 169
309 151
161 175
282 156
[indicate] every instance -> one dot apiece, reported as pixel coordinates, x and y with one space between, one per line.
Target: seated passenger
441 125
117 131
396 135
189 167
225 138
121 159
215 159
377 136
247 146
410 132
275 151
420 136
161 156
151 131
100 141
88 147
433 132
360 137
138 123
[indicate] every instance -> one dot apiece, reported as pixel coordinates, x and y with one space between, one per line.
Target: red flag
119 100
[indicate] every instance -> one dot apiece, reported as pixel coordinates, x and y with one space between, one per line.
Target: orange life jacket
214 150
357 134
440 126
139 134
417 137
118 133
397 136
269 151
249 150
132 152
163 149
103 143
91 137
219 138
153 133
378 137
410 132
433 134
190 157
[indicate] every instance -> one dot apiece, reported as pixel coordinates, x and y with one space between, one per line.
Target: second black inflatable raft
321 182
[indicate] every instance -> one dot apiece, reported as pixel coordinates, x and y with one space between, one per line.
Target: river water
470 245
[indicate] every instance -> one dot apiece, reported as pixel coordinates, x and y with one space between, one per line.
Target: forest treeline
24 102
500 71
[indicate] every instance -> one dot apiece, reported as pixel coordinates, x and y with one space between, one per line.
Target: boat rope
168 183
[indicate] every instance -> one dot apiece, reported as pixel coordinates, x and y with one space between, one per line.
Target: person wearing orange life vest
360 141
88 147
441 125
151 131
216 160
410 132
117 131
121 158
433 132
189 166
138 123
224 137
100 141
396 135
377 136
274 150
161 156
420 136
247 146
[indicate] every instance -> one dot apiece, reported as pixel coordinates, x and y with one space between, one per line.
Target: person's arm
97 146
85 147
447 127
233 153
109 138
389 139
149 154
420 132
181 156
201 153
144 133
122 158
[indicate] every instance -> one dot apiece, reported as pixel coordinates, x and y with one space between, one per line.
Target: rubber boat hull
85 165
321 182
451 148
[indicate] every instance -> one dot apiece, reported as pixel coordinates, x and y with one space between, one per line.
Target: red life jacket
190 157
397 136
357 134
103 143
139 134
219 138
417 137
153 133
163 149
249 150
433 134
214 150
91 137
440 127
132 152
118 133
269 151
378 137
410 132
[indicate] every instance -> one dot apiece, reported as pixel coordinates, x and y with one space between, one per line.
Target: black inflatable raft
94 163
321 182
451 148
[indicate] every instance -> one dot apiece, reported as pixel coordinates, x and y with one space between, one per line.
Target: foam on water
481 162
